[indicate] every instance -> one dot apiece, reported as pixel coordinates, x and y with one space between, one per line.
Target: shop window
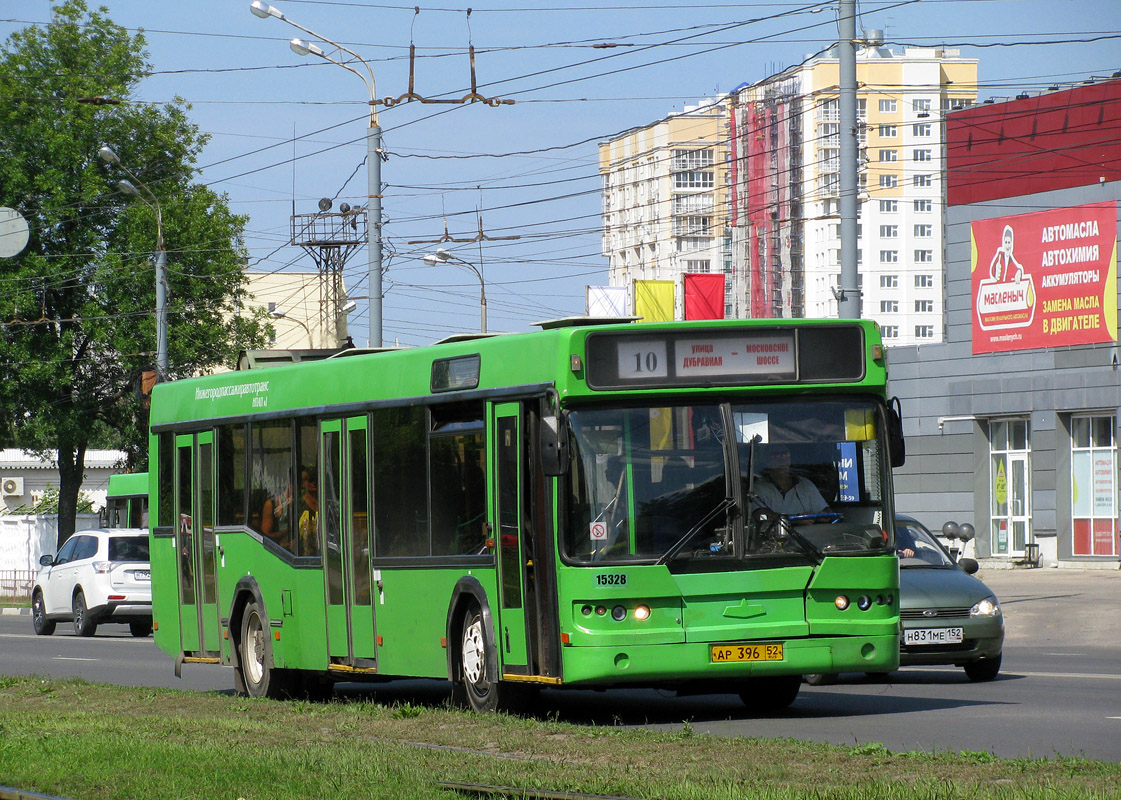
1093 477
1009 486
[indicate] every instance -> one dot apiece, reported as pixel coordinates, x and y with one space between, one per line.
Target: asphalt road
1059 692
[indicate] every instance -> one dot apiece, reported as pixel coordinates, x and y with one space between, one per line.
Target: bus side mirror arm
554 446
897 446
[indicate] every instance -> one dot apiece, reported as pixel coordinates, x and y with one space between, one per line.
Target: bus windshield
801 480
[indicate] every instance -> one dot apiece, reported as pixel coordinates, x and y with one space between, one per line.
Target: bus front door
344 532
195 543
508 522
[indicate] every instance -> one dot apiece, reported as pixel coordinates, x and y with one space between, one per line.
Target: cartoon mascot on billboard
1006 299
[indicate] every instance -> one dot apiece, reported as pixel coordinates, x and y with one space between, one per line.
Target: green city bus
126 501
580 506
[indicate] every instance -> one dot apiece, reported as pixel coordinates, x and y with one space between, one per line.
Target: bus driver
783 492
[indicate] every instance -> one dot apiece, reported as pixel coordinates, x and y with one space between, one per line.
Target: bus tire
259 676
479 688
771 694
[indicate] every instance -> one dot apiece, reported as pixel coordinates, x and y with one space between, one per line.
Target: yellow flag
653 301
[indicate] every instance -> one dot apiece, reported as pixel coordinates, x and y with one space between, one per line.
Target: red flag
704 295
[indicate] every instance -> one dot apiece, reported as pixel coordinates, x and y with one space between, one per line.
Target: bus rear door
195 543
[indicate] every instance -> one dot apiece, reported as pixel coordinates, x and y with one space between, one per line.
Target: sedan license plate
142 575
722 653
933 636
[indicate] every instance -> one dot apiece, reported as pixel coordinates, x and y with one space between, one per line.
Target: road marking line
66 658
1084 675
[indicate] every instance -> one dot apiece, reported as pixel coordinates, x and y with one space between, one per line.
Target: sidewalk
1069 607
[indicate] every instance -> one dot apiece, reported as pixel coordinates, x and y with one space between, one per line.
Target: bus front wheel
259 676
481 689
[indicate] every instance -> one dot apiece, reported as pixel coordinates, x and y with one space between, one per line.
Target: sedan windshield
800 479
917 547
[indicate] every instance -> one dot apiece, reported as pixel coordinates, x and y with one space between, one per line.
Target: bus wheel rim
473 652
255 663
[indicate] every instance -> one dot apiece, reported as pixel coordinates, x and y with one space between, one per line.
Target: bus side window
400 481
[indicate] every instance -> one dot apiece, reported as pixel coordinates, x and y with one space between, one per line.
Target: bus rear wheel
480 689
259 676
770 695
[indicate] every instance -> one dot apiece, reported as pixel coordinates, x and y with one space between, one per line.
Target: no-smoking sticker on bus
598 531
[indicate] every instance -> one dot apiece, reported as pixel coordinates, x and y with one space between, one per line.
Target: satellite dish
325 204
13 232
344 207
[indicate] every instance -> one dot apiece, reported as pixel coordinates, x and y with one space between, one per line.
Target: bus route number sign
723 653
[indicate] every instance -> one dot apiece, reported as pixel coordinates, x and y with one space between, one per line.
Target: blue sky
286 131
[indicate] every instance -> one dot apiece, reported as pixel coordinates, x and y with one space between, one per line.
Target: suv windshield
128 548
799 479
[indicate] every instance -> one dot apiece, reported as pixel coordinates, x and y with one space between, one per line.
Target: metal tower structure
330 238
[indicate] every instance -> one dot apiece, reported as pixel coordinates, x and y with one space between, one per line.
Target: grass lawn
96 742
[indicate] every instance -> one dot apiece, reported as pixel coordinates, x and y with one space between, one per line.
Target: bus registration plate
722 653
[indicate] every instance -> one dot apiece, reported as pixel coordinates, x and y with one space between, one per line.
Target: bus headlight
841 602
988 607
618 613
642 612
864 602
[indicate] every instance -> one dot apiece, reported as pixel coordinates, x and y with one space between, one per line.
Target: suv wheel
83 625
39 621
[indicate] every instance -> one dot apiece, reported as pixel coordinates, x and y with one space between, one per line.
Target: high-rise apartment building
785 143
665 196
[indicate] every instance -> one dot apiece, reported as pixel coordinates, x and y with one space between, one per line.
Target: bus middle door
345 542
508 521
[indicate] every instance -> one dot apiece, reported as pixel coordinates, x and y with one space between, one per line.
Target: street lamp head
264 10
108 156
302 47
349 306
443 254
126 187
431 259
276 312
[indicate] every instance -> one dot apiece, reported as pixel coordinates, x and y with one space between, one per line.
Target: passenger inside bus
309 512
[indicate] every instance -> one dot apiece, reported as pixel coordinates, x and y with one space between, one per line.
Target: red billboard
1045 279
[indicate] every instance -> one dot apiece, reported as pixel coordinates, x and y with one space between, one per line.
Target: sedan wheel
983 670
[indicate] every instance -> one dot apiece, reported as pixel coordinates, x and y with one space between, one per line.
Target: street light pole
373 151
276 313
442 256
108 156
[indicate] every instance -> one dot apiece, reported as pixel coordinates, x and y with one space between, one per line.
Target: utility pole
848 296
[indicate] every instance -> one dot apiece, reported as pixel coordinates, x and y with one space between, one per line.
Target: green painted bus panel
876 577
741 606
127 484
639 662
412 612
303 639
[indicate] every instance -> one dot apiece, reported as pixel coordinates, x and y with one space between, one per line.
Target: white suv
97 576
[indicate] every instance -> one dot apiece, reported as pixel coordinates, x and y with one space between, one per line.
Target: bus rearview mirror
554 446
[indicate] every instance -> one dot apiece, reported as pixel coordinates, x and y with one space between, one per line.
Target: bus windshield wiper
679 545
807 546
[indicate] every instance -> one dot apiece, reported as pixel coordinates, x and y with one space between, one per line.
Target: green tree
77 306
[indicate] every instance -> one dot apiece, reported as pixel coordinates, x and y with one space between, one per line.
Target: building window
692 226
698 265
889 155
1009 489
701 203
922 129
887 106
889 181
924 256
694 179
924 281
691 243
889 306
1093 477
924 180
920 104
890 331
924 231
923 155
923 306
889 231
924 205
889 281
684 160
889 256
888 131
924 331
889 206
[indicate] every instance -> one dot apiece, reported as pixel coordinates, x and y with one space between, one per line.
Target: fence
26 537
15 584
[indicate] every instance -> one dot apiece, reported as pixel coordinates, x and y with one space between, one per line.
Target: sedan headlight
989 607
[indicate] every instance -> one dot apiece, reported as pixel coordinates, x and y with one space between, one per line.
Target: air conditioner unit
11 486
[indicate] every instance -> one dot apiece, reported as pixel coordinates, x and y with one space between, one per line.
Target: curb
15 611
